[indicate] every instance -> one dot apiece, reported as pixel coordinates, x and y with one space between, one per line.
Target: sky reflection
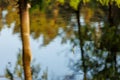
54 57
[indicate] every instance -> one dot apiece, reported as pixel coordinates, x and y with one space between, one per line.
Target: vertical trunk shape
25 35
111 24
110 17
80 39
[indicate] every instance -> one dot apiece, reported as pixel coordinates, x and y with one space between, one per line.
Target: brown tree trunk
25 35
81 39
113 51
110 15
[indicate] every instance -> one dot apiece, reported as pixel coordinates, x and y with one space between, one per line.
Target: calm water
54 57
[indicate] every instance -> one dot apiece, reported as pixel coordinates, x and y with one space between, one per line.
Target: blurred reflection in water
52 56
